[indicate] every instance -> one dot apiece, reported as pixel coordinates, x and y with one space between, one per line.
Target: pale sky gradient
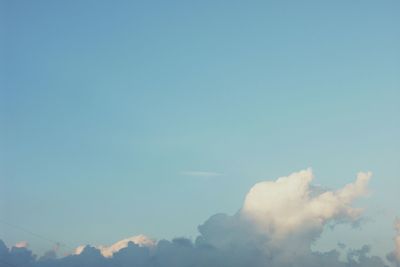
114 112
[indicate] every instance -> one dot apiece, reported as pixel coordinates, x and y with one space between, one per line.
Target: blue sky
113 113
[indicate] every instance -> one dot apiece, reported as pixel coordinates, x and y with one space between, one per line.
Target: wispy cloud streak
201 173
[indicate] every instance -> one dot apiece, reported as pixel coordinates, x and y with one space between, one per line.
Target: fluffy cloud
16 256
280 219
289 206
394 256
275 227
22 244
108 251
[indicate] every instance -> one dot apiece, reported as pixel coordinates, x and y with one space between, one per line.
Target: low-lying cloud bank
276 226
108 251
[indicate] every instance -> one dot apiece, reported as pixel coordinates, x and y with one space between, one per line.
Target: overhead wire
23 229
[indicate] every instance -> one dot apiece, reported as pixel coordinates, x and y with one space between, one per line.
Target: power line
54 242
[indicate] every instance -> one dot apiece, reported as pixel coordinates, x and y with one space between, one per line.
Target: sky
121 118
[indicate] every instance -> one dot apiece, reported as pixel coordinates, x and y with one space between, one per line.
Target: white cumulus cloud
289 206
108 251
141 240
276 226
22 244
